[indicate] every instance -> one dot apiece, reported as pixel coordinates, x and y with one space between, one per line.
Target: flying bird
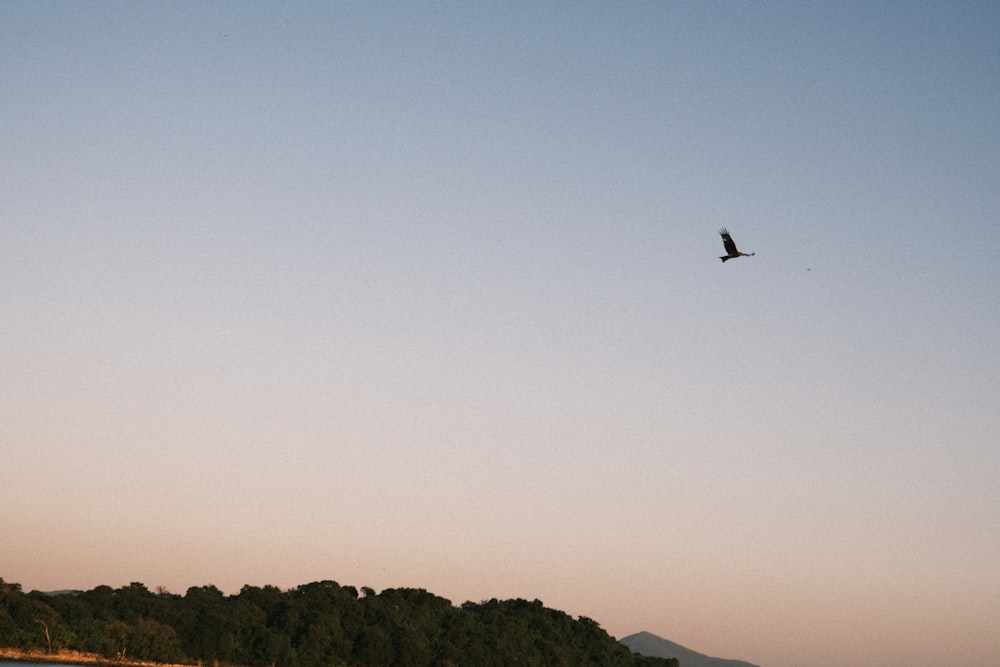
727 241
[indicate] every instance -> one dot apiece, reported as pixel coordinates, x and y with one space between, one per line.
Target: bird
727 241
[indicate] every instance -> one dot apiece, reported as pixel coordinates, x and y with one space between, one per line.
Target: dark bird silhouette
727 241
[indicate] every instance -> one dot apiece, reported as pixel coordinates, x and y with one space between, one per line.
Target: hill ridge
654 646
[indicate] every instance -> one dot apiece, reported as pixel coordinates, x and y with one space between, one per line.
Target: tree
48 637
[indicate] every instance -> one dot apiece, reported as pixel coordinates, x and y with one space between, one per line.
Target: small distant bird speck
727 241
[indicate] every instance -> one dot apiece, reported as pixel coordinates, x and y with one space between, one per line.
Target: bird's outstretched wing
727 241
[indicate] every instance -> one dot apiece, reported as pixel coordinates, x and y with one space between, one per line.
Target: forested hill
322 624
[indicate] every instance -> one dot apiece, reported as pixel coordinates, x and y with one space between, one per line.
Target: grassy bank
65 657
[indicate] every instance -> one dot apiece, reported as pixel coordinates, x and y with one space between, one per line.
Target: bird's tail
725 258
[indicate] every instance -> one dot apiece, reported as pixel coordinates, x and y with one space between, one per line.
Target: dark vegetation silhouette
321 624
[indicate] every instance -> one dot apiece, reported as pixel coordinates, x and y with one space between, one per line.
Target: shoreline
66 657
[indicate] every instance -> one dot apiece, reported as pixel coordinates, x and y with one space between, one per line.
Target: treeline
322 624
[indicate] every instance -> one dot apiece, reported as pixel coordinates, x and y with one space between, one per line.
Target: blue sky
429 295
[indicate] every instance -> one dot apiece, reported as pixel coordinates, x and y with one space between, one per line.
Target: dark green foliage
322 624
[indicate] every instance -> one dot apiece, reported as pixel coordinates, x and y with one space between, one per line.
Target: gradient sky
428 295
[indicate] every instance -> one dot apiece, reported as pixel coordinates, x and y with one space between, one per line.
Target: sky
428 295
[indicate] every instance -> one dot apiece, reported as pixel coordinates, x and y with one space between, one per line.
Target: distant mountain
648 644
